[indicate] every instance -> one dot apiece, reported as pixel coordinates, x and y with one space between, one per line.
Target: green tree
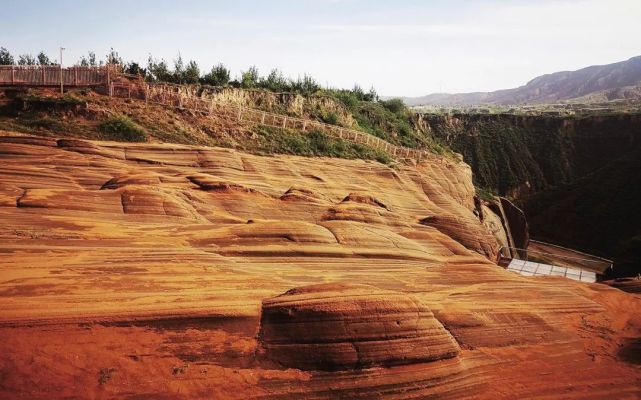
5 57
218 76
305 85
90 60
134 68
158 71
43 59
113 58
249 78
358 92
26 59
275 81
309 85
372 95
394 105
179 69
192 72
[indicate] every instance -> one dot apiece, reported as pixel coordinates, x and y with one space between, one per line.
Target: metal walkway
529 268
537 263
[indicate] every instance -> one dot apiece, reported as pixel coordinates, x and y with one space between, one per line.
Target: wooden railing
52 75
170 95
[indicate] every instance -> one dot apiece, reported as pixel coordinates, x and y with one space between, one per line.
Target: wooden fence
170 95
51 75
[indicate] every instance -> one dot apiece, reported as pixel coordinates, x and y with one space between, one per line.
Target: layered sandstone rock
471 236
349 326
140 270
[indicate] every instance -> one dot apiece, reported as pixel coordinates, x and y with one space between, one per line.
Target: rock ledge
348 326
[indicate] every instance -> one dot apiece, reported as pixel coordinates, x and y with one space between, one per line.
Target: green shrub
218 76
485 193
394 105
330 118
37 101
44 122
122 129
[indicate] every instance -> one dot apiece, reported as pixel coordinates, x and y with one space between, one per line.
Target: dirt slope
139 271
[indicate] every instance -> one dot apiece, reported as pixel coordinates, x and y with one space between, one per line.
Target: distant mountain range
598 83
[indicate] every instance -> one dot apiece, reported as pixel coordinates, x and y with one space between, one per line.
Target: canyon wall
577 177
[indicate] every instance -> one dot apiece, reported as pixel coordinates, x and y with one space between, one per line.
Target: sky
401 47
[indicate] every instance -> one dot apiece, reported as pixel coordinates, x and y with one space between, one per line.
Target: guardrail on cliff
53 75
170 96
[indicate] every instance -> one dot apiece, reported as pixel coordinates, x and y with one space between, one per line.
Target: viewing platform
544 259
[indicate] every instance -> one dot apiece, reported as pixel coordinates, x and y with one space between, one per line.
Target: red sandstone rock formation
347 326
123 274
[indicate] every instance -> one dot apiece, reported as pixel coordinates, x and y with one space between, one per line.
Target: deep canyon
576 177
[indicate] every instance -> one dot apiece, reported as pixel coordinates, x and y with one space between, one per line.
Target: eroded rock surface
349 326
140 270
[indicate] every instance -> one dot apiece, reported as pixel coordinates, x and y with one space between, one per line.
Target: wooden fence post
240 114
75 76
262 118
13 77
284 122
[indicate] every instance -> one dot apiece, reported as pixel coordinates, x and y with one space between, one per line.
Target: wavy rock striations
140 271
348 326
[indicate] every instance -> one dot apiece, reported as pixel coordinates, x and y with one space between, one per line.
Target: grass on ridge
314 143
122 129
